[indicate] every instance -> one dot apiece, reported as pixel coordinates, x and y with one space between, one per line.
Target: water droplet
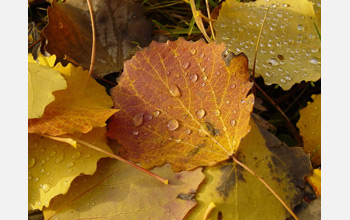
36 179
86 156
76 155
31 162
224 128
200 113
30 177
193 51
42 171
205 78
34 145
173 124
227 102
233 86
186 65
218 73
69 171
268 74
188 131
46 188
168 72
48 173
288 77
273 62
150 117
233 122
53 153
138 119
203 84
314 60
202 69
201 55
70 164
300 27
42 150
42 162
178 141
217 112
156 113
283 80
174 90
59 159
193 78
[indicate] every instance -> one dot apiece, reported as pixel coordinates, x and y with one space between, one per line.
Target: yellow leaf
238 194
118 191
42 81
309 125
315 181
52 165
75 109
289 49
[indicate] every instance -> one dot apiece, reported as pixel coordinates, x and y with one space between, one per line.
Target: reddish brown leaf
180 103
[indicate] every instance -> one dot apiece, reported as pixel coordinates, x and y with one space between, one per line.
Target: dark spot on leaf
187 196
228 180
280 57
220 216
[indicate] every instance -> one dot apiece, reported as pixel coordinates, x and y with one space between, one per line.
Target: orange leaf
75 109
180 103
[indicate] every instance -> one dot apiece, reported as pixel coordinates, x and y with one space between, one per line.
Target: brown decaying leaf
181 104
120 26
118 191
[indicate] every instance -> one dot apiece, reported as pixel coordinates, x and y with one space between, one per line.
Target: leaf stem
165 181
210 22
266 185
93 50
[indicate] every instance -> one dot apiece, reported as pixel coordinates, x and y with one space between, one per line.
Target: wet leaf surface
180 103
289 50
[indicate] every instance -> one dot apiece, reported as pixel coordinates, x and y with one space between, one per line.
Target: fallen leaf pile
181 109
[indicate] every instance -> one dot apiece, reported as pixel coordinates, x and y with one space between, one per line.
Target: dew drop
283 80
314 60
218 73
42 150
46 188
42 171
227 102
48 173
30 177
76 155
300 27
186 65
193 78
202 69
175 91
200 113
178 141
34 145
70 164
205 78
224 128
138 119
273 62
36 179
233 122
31 162
233 86
234 112
268 74
53 153
86 156
193 51
168 72
135 132
217 112
201 55
188 131
173 124
59 159
156 113
288 77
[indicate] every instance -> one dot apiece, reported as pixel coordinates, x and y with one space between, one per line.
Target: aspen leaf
52 165
118 191
180 103
76 109
238 194
119 24
42 81
289 50
309 125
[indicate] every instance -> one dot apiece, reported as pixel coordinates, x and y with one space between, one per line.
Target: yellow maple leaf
53 165
42 81
75 109
309 125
